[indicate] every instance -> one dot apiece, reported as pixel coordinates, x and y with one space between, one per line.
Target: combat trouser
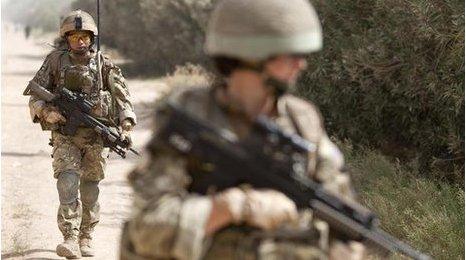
78 164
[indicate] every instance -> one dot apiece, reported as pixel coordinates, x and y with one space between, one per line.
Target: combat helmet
259 29
78 20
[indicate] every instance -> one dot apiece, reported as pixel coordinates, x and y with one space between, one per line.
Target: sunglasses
76 37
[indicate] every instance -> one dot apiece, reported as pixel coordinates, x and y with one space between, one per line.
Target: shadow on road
28 73
27 57
115 183
42 258
121 214
28 252
17 154
14 105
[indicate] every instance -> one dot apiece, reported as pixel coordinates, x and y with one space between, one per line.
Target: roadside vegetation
391 77
426 213
19 243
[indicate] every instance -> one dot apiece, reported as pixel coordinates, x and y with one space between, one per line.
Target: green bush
392 75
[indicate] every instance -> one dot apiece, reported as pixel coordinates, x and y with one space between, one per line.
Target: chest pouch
79 78
84 79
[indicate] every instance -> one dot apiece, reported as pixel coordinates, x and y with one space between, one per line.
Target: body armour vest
84 79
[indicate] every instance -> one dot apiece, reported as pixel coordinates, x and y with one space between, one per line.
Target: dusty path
29 196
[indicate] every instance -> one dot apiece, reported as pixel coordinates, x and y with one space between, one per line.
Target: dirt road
29 196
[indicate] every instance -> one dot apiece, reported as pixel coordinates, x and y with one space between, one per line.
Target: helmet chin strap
80 52
279 87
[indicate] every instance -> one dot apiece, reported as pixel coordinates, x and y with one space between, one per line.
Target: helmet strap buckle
279 87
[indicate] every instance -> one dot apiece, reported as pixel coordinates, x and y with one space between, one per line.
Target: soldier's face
286 68
247 87
79 40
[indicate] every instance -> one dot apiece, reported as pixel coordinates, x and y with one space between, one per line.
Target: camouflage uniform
79 160
169 221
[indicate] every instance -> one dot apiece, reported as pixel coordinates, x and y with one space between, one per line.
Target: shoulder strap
302 121
306 118
105 67
63 64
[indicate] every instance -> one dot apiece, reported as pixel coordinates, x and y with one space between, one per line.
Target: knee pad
68 187
89 192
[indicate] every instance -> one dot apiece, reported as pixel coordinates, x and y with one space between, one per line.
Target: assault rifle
269 158
76 109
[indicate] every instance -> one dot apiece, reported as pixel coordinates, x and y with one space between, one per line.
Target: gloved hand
126 128
266 209
51 115
351 250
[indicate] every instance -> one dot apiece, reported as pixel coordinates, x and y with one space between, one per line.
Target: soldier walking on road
79 160
259 48
27 31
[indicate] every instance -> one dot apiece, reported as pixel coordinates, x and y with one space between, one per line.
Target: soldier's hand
347 251
126 128
234 200
265 209
268 209
51 115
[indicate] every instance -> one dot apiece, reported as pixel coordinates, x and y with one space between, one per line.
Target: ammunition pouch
84 79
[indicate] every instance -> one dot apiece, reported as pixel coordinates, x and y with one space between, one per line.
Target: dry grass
20 243
189 76
19 240
426 213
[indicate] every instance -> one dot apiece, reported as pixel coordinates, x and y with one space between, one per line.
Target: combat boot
69 249
85 244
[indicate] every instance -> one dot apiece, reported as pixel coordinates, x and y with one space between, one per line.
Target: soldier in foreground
258 47
79 160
